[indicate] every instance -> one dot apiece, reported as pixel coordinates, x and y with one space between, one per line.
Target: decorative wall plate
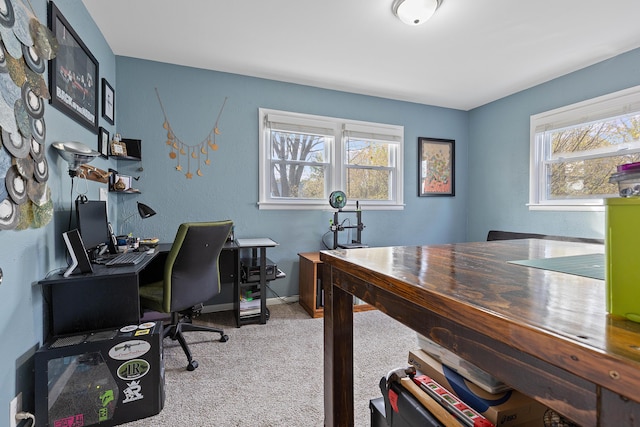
11 42
37 150
42 215
5 164
7 118
8 215
38 130
41 170
16 144
7 17
4 67
21 25
25 167
32 102
32 59
16 186
23 119
10 92
37 192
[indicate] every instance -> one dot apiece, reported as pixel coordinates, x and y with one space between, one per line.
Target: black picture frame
108 102
103 142
73 74
436 167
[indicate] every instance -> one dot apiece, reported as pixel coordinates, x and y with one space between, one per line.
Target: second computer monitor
93 224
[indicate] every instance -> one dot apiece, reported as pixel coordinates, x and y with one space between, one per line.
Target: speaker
79 259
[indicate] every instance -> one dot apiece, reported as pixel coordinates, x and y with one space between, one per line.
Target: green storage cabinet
622 253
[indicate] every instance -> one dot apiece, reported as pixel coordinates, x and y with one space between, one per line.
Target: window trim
337 173
616 103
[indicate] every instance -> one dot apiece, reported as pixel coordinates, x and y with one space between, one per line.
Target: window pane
295 172
297 181
585 179
368 184
298 146
368 153
593 136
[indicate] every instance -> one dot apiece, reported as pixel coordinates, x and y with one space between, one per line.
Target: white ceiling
470 53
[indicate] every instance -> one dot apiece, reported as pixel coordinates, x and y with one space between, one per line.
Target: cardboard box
506 409
468 370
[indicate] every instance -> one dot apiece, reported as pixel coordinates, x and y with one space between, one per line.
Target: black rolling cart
255 271
106 377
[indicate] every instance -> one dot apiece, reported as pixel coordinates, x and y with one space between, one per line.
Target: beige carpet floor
272 375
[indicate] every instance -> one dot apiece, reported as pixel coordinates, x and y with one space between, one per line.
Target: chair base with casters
191 276
182 322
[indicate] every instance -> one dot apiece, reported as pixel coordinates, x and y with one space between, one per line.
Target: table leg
338 355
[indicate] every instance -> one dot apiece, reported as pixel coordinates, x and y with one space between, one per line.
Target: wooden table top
557 317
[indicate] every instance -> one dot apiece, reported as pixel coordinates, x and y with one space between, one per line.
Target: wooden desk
545 333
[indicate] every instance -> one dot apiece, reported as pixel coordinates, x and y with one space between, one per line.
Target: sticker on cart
132 392
142 332
133 369
147 325
129 349
72 421
129 328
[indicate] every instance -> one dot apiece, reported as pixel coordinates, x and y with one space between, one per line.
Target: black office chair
191 277
509 235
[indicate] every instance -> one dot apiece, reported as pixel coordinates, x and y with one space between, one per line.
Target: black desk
108 297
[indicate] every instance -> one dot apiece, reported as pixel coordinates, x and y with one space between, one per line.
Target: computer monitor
94 225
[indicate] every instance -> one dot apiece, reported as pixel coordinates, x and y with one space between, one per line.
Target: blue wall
229 188
499 148
27 256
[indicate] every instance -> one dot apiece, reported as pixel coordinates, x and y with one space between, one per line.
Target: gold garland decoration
179 148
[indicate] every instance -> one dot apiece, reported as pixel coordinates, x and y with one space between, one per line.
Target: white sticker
132 392
129 328
129 349
147 325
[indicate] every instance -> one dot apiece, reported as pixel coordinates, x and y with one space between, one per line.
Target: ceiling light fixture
414 12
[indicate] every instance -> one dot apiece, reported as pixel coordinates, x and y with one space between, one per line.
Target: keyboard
127 258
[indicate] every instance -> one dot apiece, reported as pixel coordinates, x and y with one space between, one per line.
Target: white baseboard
270 301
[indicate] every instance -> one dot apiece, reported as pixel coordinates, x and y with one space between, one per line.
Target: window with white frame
575 149
303 158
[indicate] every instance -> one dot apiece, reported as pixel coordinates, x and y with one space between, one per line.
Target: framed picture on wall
103 142
108 102
436 167
73 74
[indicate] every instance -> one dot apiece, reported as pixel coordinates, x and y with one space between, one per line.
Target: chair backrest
508 235
191 274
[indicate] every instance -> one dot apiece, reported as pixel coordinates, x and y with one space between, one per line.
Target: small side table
310 286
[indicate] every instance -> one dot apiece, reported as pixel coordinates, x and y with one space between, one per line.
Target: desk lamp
144 211
75 154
